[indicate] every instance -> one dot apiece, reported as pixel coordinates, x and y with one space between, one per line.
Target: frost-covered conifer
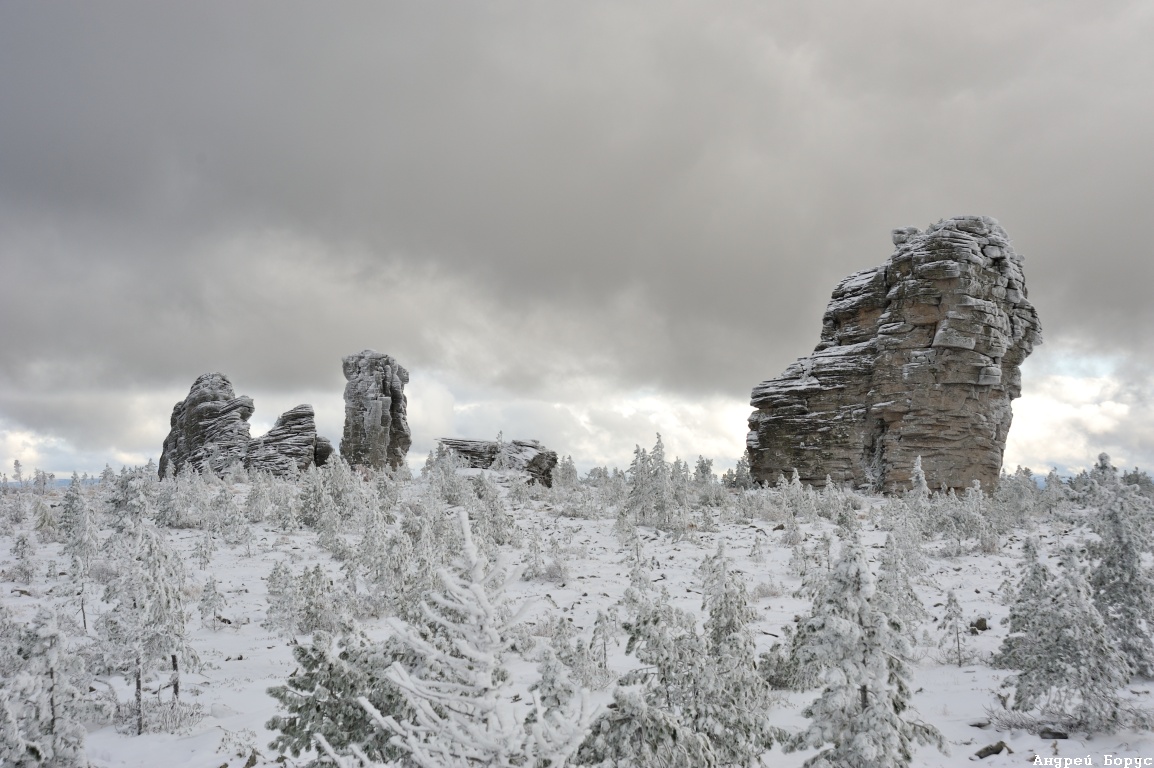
734 711
204 549
211 603
463 713
258 505
314 497
742 479
659 714
321 696
797 499
146 626
369 556
1068 672
41 700
283 602
1123 587
319 609
492 526
633 733
1055 493
565 473
24 550
46 520
132 497
954 632
81 542
895 592
862 711
638 506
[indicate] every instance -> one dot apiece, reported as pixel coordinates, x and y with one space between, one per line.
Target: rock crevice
918 357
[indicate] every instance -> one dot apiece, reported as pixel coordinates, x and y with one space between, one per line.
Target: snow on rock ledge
918 357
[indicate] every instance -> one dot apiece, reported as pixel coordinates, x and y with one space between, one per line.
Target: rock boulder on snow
918 357
524 455
376 423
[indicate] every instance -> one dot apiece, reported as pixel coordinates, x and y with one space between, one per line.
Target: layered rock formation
376 424
524 455
209 432
291 446
918 357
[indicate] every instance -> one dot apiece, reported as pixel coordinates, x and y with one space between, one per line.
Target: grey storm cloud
538 196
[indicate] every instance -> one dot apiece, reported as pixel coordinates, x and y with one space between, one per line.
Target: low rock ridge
918 357
523 455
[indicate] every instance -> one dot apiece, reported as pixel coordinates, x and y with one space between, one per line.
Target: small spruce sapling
954 633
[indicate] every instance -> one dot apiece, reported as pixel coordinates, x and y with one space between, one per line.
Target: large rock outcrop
209 432
208 429
376 423
918 357
527 456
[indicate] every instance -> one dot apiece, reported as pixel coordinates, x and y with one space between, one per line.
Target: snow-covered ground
588 570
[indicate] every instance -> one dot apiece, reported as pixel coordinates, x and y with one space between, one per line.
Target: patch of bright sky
1072 408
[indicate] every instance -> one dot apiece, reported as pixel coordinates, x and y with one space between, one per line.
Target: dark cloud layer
544 199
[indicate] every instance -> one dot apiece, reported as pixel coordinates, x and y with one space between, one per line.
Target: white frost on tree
464 713
863 710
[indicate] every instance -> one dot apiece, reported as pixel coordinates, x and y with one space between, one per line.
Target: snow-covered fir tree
146 626
463 712
954 633
41 700
738 700
321 697
1067 672
896 596
1123 587
863 711
211 603
283 601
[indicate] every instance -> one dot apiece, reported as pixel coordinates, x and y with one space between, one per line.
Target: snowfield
578 548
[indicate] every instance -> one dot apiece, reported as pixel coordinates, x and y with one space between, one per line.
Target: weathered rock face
918 357
209 428
210 432
525 455
376 424
291 446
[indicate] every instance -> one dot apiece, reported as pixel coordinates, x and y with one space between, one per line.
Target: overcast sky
582 222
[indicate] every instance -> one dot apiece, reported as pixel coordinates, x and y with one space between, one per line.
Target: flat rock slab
524 455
